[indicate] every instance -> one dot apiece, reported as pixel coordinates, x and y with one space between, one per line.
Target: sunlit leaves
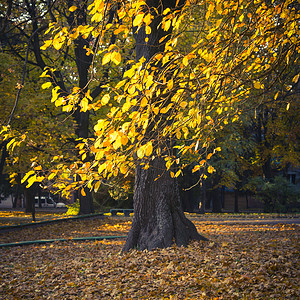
138 19
220 54
145 150
105 99
72 8
46 85
106 58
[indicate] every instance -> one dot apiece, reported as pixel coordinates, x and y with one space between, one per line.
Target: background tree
25 23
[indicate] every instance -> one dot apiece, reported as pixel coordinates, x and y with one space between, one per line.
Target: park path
233 221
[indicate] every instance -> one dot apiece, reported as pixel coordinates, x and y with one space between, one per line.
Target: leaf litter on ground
240 261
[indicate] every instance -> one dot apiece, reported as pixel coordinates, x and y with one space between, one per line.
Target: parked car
60 205
45 201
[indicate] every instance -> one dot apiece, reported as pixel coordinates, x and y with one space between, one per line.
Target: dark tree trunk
82 118
247 200
86 203
216 201
159 220
223 196
29 200
236 200
203 197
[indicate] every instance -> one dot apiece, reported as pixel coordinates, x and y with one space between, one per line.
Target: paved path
270 221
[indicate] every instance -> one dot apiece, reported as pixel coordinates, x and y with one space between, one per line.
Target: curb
40 223
79 239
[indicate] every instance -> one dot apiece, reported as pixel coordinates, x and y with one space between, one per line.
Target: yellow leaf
288 106
31 172
118 143
124 140
196 168
138 20
257 85
148 149
148 30
46 85
210 169
120 83
101 168
83 156
106 58
183 104
167 25
141 152
31 181
116 57
10 143
170 84
147 19
209 156
59 101
123 169
83 193
52 175
46 45
72 8
185 61
296 78
40 178
156 110
105 99
178 173
144 102
57 43
97 185
84 104
168 164
129 73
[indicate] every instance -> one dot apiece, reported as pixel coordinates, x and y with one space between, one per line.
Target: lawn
242 260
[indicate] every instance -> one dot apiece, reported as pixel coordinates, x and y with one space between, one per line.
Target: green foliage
278 195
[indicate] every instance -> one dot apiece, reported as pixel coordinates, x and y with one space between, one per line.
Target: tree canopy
218 56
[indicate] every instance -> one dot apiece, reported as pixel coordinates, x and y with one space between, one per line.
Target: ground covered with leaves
241 260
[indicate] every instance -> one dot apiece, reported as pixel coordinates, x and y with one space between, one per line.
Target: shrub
278 195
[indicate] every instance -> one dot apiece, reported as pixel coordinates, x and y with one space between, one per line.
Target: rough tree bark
158 220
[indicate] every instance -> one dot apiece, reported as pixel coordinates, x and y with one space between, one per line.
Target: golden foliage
220 53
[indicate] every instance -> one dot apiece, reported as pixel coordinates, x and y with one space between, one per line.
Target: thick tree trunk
159 220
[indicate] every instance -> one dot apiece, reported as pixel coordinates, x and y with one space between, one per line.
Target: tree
25 22
197 64
158 217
